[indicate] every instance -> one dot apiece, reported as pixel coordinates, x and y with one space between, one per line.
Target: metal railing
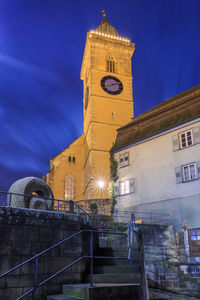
61 206
123 216
144 217
36 257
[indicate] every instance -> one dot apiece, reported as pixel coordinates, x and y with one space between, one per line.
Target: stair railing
131 230
145 217
35 258
143 281
58 206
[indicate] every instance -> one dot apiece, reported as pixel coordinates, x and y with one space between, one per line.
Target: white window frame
189 176
187 140
123 162
127 186
124 187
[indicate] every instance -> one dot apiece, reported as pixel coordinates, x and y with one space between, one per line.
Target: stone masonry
23 233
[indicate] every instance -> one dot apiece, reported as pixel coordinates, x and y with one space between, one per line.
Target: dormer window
111 65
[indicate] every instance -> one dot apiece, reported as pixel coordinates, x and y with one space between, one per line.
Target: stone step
76 290
156 294
114 261
111 251
61 297
102 291
113 242
124 269
118 251
115 278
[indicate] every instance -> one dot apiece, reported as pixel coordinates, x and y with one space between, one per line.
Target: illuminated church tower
108 104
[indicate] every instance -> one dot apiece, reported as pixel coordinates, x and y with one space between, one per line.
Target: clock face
111 85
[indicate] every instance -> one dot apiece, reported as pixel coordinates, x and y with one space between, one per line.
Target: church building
107 105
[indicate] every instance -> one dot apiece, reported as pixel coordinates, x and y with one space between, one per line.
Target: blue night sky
41 49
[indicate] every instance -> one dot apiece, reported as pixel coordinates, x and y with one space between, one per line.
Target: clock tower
107 99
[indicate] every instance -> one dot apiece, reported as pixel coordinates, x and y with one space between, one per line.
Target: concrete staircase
111 277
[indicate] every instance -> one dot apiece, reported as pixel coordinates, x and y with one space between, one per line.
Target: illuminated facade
107 105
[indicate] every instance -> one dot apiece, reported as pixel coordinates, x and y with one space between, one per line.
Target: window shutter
175 142
116 190
198 169
126 159
178 172
121 160
132 185
196 135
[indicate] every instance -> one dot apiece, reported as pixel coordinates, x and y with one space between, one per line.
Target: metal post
35 277
57 205
88 217
9 201
101 203
71 206
116 212
91 258
77 211
166 254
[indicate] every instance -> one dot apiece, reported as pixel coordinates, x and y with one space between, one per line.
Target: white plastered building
158 156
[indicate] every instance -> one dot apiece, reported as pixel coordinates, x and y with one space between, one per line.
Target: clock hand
111 84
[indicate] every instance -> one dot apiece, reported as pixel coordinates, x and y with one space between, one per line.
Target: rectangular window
186 139
189 172
127 186
195 235
124 159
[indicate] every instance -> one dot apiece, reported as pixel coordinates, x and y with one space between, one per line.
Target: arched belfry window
69 188
111 65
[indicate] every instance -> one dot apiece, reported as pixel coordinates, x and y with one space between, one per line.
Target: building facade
107 105
158 156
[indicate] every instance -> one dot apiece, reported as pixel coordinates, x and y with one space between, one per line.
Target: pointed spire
105 27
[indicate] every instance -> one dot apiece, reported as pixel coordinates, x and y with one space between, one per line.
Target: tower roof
106 28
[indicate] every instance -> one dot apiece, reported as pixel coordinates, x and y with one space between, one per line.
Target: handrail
131 229
35 257
47 198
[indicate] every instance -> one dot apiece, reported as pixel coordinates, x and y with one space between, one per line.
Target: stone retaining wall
23 233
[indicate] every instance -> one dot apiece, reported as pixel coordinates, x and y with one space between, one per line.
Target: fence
70 206
7 198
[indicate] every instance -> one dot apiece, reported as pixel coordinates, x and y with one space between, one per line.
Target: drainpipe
186 243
